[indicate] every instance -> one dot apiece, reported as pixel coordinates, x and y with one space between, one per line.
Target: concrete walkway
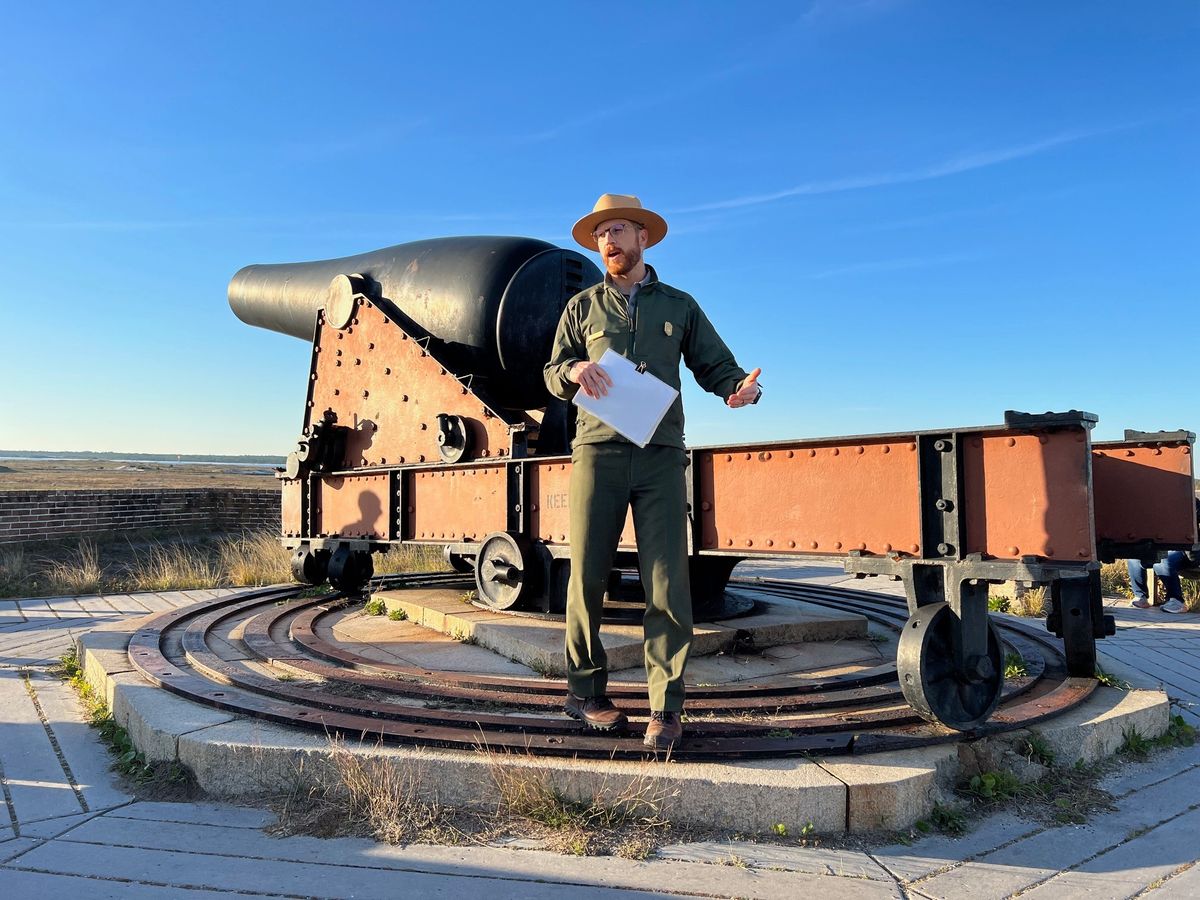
68 830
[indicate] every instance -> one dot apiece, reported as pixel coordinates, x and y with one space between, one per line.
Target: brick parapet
50 515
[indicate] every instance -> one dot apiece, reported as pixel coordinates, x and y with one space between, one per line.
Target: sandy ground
84 474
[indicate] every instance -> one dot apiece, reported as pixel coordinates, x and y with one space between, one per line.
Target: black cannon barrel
492 303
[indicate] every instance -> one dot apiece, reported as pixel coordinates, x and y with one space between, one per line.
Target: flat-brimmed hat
619 206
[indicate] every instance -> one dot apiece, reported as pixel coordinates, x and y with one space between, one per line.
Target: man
639 317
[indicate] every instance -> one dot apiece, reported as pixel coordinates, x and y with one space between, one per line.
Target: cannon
426 422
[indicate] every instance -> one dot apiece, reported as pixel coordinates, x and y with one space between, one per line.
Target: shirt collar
650 277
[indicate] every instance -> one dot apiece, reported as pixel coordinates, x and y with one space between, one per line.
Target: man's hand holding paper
591 378
631 401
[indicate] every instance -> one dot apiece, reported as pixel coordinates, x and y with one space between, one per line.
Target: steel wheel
350 570
504 569
310 566
930 679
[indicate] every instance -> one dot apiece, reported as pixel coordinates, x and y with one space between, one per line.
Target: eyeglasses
613 232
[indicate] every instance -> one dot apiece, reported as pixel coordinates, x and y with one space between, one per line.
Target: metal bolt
943 446
945 549
944 505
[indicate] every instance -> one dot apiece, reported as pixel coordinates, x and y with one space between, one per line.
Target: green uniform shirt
670 326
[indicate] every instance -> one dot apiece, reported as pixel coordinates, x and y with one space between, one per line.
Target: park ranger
647 321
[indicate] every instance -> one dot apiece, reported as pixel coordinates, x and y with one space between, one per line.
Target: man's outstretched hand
592 379
747 391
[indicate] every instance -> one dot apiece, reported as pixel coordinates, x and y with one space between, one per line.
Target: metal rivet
1012 442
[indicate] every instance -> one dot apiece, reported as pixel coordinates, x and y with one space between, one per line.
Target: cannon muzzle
490 303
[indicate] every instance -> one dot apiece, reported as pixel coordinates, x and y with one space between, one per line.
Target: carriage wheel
931 679
504 569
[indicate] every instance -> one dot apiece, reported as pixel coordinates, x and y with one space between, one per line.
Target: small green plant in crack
1178 734
284 676
375 607
949 820
462 637
1014 666
469 596
780 733
779 829
1135 744
999 604
398 615
1036 748
1109 680
993 786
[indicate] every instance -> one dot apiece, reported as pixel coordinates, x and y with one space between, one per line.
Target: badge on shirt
667 329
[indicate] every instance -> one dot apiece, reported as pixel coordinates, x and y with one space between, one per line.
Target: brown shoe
664 730
595 712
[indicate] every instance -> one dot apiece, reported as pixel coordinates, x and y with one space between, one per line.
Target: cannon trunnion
426 422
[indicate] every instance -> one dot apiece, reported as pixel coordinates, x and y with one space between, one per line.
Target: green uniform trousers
606 479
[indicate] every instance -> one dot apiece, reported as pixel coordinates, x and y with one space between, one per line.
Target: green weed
1014 666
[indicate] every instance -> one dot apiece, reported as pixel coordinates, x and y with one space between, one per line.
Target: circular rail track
260 653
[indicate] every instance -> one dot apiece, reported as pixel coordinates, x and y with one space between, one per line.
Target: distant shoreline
160 458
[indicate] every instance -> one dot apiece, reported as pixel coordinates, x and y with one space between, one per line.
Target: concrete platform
234 756
819 640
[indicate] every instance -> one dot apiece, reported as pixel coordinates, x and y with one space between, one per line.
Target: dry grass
410 558
1029 602
623 816
254 558
388 798
80 573
119 564
172 567
1114 579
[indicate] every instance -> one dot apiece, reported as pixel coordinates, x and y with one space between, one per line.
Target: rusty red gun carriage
426 422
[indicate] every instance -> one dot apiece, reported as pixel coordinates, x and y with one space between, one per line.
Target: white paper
635 403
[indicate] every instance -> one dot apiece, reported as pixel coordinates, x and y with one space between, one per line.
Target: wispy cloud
953 166
774 45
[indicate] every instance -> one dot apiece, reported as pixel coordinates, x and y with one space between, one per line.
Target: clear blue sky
909 214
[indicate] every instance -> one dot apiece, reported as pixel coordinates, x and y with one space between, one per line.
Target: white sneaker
1173 605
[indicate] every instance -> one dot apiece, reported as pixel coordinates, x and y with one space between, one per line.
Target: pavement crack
62 759
113 879
8 802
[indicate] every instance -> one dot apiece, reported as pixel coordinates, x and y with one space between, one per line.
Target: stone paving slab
52 828
936 852
35 780
1127 869
1035 859
45 886
78 743
10 850
368 879
1184 886
223 814
811 860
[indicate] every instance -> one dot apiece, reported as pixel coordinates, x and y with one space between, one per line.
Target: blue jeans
1166 569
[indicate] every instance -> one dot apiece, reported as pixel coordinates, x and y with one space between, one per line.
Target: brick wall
47 515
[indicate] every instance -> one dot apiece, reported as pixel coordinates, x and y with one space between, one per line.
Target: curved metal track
283 671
